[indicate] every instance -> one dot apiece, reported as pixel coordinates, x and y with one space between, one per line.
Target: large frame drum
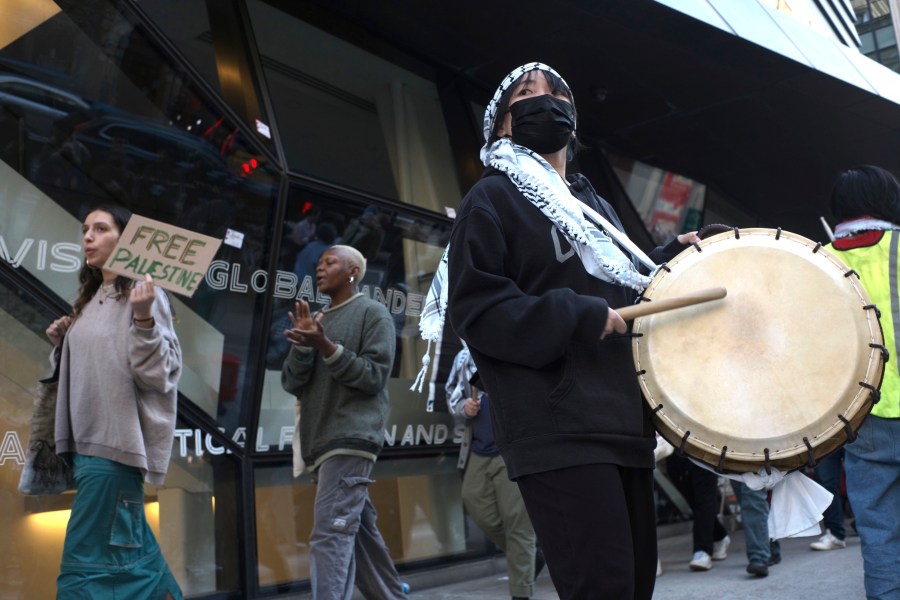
779 373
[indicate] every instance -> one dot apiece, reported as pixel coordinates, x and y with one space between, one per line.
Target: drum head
783 366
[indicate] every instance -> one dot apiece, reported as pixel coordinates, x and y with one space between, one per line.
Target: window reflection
669 203
91 111
876 31
867 10
212 38
197 513
353 118
31 544
136 131
402 253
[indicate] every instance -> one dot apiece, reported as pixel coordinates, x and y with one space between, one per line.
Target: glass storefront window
197 513
93 112
211 37
134 132
33 527
402 253
186 23
355 119
669 204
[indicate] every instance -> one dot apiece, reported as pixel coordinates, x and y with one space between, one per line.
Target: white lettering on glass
11 449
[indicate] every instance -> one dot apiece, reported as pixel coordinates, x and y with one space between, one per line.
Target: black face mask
543 124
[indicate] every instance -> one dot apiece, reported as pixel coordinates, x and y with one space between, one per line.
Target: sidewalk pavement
802 573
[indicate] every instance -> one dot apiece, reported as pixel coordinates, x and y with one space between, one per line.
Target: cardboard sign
176 258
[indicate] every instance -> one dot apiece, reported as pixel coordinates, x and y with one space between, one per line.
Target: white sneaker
658 568
720 548
828 542
701 561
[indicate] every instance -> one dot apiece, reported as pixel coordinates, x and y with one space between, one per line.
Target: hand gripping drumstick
648 308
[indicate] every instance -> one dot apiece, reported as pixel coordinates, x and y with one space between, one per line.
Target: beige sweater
117 394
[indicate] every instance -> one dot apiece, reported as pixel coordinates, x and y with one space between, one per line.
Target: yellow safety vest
877 266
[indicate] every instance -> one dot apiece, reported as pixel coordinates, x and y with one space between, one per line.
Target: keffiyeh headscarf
544 188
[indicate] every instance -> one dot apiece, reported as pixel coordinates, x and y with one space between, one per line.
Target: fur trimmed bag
45 472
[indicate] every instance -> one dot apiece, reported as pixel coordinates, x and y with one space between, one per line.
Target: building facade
280 126
877 22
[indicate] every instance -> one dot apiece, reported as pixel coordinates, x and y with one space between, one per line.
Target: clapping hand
306 330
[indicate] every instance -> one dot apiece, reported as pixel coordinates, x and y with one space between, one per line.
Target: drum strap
621 239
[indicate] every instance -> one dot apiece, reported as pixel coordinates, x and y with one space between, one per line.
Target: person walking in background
308 258
700 487
762 551
304 265
119 365
305 228
338 368
865 201
662 451
366 232
491 499
828 472
532 288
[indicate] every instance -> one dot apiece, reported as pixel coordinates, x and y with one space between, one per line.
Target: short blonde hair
354 258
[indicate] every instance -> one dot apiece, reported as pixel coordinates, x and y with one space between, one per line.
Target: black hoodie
532 317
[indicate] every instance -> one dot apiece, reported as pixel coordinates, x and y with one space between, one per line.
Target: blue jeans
755 519
828 471
872 467
346 545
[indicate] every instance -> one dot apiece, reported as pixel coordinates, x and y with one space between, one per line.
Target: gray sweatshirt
343 399
117 394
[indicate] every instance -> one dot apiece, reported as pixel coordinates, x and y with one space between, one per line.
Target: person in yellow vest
865 201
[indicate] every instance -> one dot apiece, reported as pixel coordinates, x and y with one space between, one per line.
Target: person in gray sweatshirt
338 368
119 364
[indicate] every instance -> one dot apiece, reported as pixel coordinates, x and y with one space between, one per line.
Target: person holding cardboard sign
115 421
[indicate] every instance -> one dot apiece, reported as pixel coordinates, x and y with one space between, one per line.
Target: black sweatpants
596 525
700 487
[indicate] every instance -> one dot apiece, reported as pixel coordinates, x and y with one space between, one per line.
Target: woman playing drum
533 287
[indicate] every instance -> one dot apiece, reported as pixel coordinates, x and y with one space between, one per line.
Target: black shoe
538 562
774 559
757 568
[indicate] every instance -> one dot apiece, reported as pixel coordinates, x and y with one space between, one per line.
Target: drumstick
648 308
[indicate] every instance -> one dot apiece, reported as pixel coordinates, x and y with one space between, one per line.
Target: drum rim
843 425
